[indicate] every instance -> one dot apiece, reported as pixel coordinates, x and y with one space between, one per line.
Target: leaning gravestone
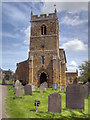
55 85
28 89
42 88
75 96
18 87
86 91
54 103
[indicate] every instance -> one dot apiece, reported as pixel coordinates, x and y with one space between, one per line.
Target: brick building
71 77
46 61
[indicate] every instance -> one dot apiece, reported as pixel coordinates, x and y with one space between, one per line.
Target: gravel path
3 90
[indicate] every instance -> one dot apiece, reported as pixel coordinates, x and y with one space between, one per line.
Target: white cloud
74 45
14 14
70 7
10 35
73 63
27 35
72 21
70 68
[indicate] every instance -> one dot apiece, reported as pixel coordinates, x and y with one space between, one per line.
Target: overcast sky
73 31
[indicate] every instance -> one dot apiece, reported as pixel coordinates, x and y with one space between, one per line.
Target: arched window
43 30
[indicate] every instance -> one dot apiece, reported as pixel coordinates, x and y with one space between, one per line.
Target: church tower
46 62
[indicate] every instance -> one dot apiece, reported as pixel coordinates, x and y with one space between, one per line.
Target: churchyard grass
25 107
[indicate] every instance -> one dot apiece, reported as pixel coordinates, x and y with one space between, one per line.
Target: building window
42 59
43 30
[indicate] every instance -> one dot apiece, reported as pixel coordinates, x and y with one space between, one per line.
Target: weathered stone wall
48 41
22 72
47 67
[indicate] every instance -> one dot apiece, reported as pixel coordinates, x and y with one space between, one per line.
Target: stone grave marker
18 89
19 92
62 88
54 103
55 85
17 84
86 91
45 85
75 96
42 88
33 87
28 89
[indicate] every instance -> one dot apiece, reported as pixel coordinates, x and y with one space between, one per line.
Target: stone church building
46 61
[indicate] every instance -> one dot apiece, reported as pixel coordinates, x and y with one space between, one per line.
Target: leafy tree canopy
85 72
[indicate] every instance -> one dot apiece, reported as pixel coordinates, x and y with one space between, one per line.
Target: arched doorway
43 78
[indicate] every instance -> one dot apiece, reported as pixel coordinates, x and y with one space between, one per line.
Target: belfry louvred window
43 30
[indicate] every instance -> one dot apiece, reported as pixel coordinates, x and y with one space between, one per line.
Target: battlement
43 17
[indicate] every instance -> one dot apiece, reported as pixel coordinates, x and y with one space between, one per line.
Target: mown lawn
24 107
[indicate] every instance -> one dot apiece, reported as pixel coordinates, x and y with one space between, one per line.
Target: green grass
24 107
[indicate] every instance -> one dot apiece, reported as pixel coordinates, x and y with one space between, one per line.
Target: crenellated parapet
43 17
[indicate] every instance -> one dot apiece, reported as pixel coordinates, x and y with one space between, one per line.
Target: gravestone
33 87
75 96
19 92
86 91
18 84
42 88
28 89
55 85
45 85
54 103
18 89
62 88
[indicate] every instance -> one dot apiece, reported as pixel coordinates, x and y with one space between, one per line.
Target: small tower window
43 30
42 59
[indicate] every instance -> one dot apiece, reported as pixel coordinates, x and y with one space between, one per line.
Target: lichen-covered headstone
18 84
54 103
28 89
18 87
75 96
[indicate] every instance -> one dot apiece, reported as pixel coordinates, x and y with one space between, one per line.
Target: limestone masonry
46 61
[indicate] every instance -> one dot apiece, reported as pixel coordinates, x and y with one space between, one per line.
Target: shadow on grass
33 110
73 116
7 84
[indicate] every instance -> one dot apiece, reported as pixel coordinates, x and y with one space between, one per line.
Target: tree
85 72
